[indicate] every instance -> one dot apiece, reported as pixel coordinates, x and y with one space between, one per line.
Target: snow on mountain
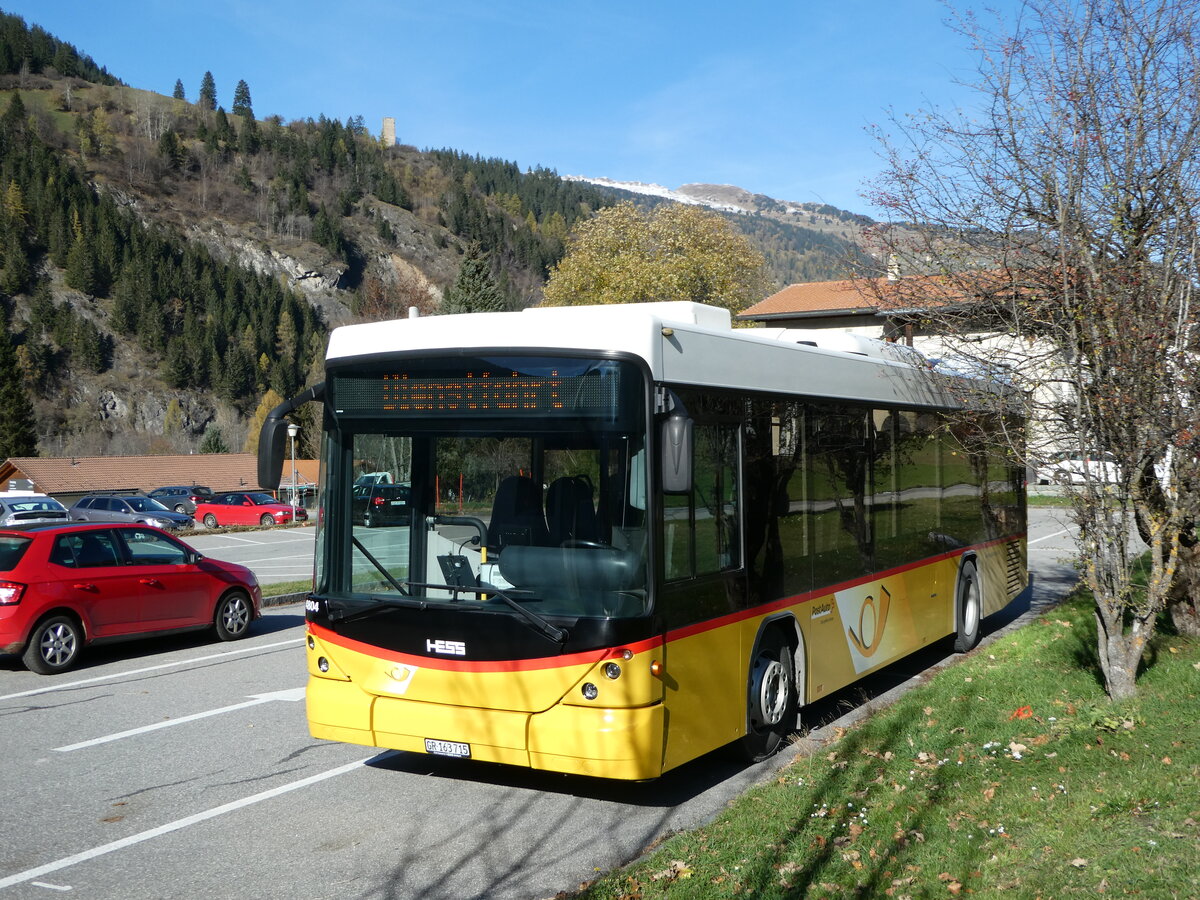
657 190
730 198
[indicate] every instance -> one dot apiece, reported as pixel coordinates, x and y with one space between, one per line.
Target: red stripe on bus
589 657
586 657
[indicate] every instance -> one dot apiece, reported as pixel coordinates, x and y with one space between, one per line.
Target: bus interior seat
570 514
517 516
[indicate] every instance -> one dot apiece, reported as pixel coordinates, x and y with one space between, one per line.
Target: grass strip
1009 773
286 587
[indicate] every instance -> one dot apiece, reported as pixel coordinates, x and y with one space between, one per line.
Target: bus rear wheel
771 699
968 608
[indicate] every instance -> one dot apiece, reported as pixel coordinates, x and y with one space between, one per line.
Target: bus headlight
590 691
323 664
612 670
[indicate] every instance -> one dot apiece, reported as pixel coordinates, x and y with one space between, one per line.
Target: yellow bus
621 537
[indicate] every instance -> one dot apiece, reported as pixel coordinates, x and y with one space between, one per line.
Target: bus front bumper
581 740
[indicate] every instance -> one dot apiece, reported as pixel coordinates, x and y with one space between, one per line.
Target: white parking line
183 662
290 696
1047 537
265 543
178 824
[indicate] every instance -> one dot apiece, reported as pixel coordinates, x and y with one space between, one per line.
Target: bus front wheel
968 609
771 698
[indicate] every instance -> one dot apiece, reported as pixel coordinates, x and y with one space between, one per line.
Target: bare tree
1050 233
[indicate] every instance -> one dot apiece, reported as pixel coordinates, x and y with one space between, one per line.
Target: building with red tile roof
69 478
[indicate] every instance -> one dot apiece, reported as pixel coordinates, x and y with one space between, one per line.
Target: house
68 479
850 306
891 309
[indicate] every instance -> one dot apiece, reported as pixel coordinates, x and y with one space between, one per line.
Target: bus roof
680 342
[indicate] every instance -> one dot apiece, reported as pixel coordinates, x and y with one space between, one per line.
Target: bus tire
771 699
968 607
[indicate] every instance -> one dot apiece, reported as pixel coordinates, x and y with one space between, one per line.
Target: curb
284 599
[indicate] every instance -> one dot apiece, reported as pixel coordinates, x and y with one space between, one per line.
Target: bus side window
702 529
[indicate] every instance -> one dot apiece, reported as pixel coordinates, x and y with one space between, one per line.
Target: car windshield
12 548
262 499
145 504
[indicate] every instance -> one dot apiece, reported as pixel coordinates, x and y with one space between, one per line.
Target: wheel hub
771 693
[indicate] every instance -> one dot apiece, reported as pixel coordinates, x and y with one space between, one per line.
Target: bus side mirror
271 442
677 455
274 431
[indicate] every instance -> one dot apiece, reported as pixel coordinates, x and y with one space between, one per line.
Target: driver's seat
517 514
569 511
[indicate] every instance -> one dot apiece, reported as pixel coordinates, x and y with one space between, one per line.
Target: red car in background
65 585
246 508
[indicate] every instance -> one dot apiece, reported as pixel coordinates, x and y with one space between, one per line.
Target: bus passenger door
703 583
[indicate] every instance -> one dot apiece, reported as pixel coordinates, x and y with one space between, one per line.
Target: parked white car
28 507
1074 467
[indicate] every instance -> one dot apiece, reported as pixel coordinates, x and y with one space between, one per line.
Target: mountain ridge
248 238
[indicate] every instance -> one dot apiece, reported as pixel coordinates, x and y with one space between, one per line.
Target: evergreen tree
213 441
18 432
17 273
208 92
14 116
179 365
179 94
81 267
249 139
237 378
475 290
241 100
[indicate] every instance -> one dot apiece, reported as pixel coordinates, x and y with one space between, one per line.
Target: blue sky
774 96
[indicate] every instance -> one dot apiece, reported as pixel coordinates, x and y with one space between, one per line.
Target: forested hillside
164 262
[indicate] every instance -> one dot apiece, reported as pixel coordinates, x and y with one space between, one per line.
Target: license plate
447 748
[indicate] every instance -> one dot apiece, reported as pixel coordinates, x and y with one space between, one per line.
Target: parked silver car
128 508
182 497
22 507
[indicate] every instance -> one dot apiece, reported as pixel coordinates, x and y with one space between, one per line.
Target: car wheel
54 645
771 698
180 508
968 610
266 519
210 521
233 616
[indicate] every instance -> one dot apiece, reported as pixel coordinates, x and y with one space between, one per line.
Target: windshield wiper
556 634
378 565
377 604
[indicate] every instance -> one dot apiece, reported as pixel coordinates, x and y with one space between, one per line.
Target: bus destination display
474 393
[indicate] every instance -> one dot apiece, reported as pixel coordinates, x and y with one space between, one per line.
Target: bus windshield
487 482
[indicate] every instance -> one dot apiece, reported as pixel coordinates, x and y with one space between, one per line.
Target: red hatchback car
246 508
63 586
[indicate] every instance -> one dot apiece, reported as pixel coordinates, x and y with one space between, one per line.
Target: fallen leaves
676 870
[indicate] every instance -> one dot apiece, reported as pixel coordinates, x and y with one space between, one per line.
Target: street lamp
293 430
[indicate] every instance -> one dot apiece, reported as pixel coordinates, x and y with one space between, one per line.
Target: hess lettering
450 648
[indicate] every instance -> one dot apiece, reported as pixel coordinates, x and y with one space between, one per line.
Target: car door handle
84 586
150 581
